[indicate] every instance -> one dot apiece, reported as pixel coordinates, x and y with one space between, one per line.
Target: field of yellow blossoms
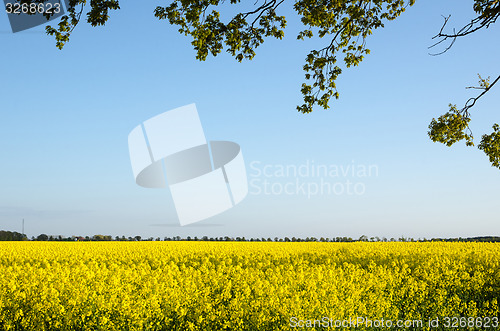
248 286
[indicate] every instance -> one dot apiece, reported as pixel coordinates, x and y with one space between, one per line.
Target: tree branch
472 101
489 13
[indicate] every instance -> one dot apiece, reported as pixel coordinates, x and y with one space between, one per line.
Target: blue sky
66 115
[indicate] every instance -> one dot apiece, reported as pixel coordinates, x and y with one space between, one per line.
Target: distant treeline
15 236
11 236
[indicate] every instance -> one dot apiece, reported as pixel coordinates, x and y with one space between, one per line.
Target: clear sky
66 115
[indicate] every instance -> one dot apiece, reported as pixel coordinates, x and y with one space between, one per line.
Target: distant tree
12 236
100 237
42 237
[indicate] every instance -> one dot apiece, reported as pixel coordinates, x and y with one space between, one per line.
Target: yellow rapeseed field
248 286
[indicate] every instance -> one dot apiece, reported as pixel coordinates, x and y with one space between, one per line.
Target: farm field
248 286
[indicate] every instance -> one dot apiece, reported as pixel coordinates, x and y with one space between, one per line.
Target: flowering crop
241 285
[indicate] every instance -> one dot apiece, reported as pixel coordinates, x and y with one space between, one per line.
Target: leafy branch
454 125
209 33
349 23
98 15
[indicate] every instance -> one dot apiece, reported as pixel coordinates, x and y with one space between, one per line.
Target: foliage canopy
344 23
